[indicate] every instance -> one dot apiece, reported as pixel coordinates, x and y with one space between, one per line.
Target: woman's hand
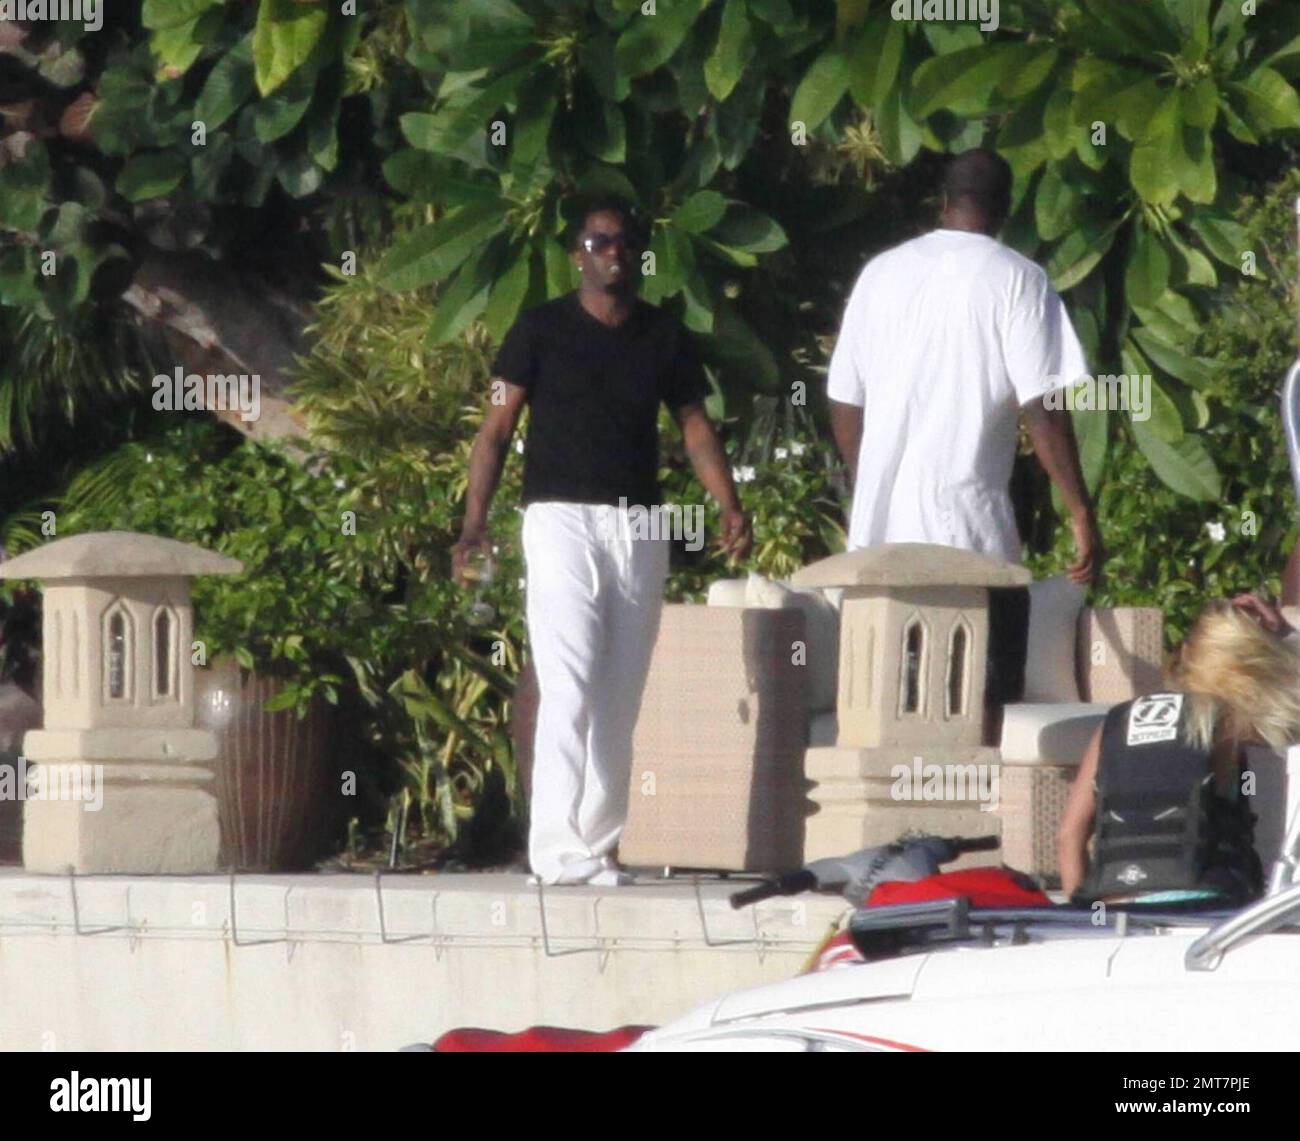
1265 611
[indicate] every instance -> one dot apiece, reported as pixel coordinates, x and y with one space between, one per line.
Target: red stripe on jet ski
877 1041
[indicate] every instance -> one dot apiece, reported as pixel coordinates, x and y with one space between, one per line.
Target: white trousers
593 596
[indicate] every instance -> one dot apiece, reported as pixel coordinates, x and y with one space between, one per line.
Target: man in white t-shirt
947 339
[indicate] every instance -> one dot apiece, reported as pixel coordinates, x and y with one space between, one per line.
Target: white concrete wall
310 972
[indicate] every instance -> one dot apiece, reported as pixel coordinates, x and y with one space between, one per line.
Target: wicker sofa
737 759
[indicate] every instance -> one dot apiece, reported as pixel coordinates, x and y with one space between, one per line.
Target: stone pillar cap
911 564
117 554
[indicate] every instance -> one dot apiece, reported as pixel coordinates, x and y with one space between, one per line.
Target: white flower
148 457
519 446
339 483
798 449
1217 531
781 453
521 584
742 474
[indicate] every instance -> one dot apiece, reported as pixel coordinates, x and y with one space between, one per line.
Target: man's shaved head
978 183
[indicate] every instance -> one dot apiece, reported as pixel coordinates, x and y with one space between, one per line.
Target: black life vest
1160 824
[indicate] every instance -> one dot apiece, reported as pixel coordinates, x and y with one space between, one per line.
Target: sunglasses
602 243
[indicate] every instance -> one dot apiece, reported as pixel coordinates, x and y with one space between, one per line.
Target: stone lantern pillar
121 778
914 633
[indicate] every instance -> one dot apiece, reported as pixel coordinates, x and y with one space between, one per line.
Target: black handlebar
790 884
793 883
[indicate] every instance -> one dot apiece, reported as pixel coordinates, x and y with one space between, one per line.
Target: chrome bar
1258 919
1286 868
1291 423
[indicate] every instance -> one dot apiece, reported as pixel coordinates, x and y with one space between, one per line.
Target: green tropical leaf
507 295
175 48
1171 360
285 35
1147 276
700 212
821 89
1022 141
1056 204
151 176
673 260
228 87
961 83
463 124
749 229
1092 432
606 137
1062 135
890 63
1079 253
1266 101
1184 466
900 134
560 273
651 40
742 350
465 297
299 175
1157 160
1200 104
431 252
160 14
1225 239
1197 268
537 105
1195 166
732 53
278 114
1025 69
1162 415
697 315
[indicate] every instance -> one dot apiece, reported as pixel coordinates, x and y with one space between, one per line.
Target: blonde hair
1243 682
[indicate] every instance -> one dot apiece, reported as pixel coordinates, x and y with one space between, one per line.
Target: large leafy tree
277 135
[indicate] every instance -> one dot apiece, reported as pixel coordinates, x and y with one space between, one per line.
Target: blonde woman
1160 787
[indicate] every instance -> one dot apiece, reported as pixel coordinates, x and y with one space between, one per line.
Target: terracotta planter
275 777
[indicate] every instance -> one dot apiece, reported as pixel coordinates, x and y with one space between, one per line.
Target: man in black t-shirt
593 367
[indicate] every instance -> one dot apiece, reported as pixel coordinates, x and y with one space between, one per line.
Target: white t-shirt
944 338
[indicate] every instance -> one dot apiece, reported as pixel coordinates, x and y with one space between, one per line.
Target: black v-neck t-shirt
594 392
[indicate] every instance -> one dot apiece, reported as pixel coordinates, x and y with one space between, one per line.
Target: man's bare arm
1052 434
486 460
846 427
704 450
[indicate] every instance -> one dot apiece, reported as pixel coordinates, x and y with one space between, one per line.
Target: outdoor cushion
1054 605
727 592
1049 734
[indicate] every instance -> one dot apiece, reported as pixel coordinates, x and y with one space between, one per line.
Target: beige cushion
1121 649
1054 606
822 626
727 592
1049 734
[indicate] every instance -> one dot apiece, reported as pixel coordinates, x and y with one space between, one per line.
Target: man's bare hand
1087 545
737 535
468 542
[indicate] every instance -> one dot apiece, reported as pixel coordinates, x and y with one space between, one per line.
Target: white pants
593 595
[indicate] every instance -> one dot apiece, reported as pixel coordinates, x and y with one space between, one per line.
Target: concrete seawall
319 962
